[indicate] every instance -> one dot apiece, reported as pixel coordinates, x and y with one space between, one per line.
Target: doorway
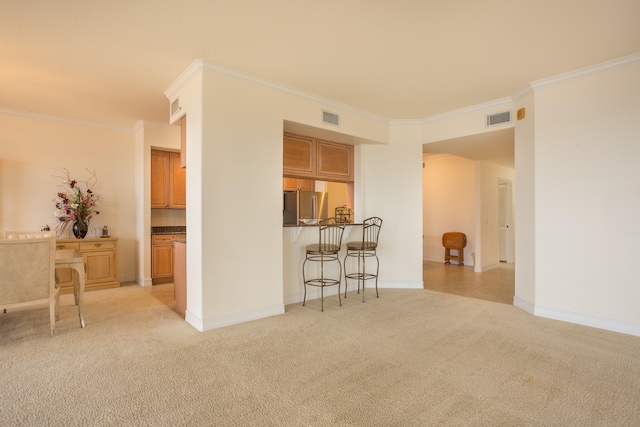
505 220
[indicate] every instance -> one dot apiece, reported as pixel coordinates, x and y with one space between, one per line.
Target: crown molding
528 89
502 103
146 124
625 61
64 120
200 65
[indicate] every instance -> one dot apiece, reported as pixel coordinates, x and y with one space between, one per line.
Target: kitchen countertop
174 229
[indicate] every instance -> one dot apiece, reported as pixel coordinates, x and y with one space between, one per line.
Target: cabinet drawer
74 246
160 239
95 246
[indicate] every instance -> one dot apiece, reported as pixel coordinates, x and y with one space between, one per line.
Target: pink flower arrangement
75 204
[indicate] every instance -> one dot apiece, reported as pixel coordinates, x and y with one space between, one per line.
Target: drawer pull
97 245
59 246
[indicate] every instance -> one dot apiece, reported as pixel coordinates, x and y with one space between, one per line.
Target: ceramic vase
80 229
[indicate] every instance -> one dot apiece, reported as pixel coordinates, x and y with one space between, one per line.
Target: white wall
587 198
33 152
237 157
449 204
488 230
524 203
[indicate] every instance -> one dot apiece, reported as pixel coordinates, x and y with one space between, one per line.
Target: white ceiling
109 62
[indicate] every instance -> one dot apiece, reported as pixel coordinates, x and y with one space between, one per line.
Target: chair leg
377 271
304 281
321 282
361 276
52 314
339 279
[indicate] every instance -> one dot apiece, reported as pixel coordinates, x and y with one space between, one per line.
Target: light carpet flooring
408 358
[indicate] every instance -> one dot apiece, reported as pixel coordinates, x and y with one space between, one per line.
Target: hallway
496 285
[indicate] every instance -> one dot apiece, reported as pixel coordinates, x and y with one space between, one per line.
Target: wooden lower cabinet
100 262
162 257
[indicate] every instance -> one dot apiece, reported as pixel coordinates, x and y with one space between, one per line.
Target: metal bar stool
326 250
363 249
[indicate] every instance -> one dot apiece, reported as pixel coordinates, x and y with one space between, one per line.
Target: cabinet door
335 161
100 266
294 184
159 179
161 261
298 154
306 184
290 184
178 187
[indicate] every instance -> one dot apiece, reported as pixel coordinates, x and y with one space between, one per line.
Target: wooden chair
28 234
456 241
27 274
73 262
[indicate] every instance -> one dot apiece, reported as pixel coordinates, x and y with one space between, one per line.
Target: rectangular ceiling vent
175 106
499 118
330 118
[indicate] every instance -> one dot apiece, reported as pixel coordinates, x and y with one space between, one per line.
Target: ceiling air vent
330 118
499 118
175 106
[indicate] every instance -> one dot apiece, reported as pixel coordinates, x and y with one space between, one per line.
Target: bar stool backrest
370 232
330 238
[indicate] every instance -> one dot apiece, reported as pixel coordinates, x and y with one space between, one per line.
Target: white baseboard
589 320
579 318
232 319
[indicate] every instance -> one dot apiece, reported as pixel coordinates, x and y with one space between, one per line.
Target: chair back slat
330 234
371 230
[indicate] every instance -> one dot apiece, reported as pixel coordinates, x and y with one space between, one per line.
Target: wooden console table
100 260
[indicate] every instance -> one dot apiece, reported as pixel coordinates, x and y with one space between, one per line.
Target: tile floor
496 285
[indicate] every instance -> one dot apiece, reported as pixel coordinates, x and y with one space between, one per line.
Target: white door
504 220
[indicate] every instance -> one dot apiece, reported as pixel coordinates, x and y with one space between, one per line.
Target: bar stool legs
326 250
361 275
363 249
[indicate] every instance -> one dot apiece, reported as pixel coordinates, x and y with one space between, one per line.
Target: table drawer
95 246
74 246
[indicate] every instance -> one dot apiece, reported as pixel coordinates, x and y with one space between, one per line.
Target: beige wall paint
238 156
587 196
449 199
33 152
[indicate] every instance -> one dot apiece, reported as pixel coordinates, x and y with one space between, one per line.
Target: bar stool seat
326 250
361 250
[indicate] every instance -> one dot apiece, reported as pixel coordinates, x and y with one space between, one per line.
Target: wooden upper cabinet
168 180
298 156
159 179
178 183
306 157
334 161
294 184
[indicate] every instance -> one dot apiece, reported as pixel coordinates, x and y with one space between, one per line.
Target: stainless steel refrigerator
305 205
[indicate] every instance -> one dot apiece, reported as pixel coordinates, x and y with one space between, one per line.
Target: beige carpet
409 358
